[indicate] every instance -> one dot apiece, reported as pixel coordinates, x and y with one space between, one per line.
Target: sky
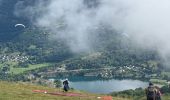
0 2
146 22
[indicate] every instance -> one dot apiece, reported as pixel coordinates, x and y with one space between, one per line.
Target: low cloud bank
146 22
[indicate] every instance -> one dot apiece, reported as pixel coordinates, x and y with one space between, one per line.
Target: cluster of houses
130 71
13 58
124 71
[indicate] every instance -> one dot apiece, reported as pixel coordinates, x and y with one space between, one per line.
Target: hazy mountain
115 48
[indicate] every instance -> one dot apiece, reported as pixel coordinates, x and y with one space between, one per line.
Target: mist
145 22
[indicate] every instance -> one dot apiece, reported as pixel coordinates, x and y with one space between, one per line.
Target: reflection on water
105 86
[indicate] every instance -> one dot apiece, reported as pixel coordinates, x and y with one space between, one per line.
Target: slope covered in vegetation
25 91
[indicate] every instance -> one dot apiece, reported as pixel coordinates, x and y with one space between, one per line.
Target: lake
94 85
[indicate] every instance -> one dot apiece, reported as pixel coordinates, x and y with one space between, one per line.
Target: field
30 67
159 81
15 69
25 91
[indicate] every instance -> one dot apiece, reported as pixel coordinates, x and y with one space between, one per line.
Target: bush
57 83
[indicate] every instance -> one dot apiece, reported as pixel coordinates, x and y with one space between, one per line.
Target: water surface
105 86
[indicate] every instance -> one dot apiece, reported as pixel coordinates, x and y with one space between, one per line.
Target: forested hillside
21 47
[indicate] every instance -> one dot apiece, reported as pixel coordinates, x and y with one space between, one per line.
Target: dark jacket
66 87
65 82
151 93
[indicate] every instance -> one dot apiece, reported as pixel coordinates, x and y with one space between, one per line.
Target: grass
30 67
19 70
163 97
159 81
166 73
8 63
23 91
166 97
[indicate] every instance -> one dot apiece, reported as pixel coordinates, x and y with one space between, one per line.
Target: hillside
37 43
139 93
25 91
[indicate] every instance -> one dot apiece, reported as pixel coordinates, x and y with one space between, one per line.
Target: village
13 58
121 72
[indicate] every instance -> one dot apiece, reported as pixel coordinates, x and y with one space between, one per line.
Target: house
31 76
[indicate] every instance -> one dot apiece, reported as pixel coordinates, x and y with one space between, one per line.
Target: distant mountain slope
109 48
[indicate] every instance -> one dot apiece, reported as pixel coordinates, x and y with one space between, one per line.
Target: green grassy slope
139 94
24 91
30 67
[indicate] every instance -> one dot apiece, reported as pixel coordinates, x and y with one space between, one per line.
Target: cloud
145 21
68 20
